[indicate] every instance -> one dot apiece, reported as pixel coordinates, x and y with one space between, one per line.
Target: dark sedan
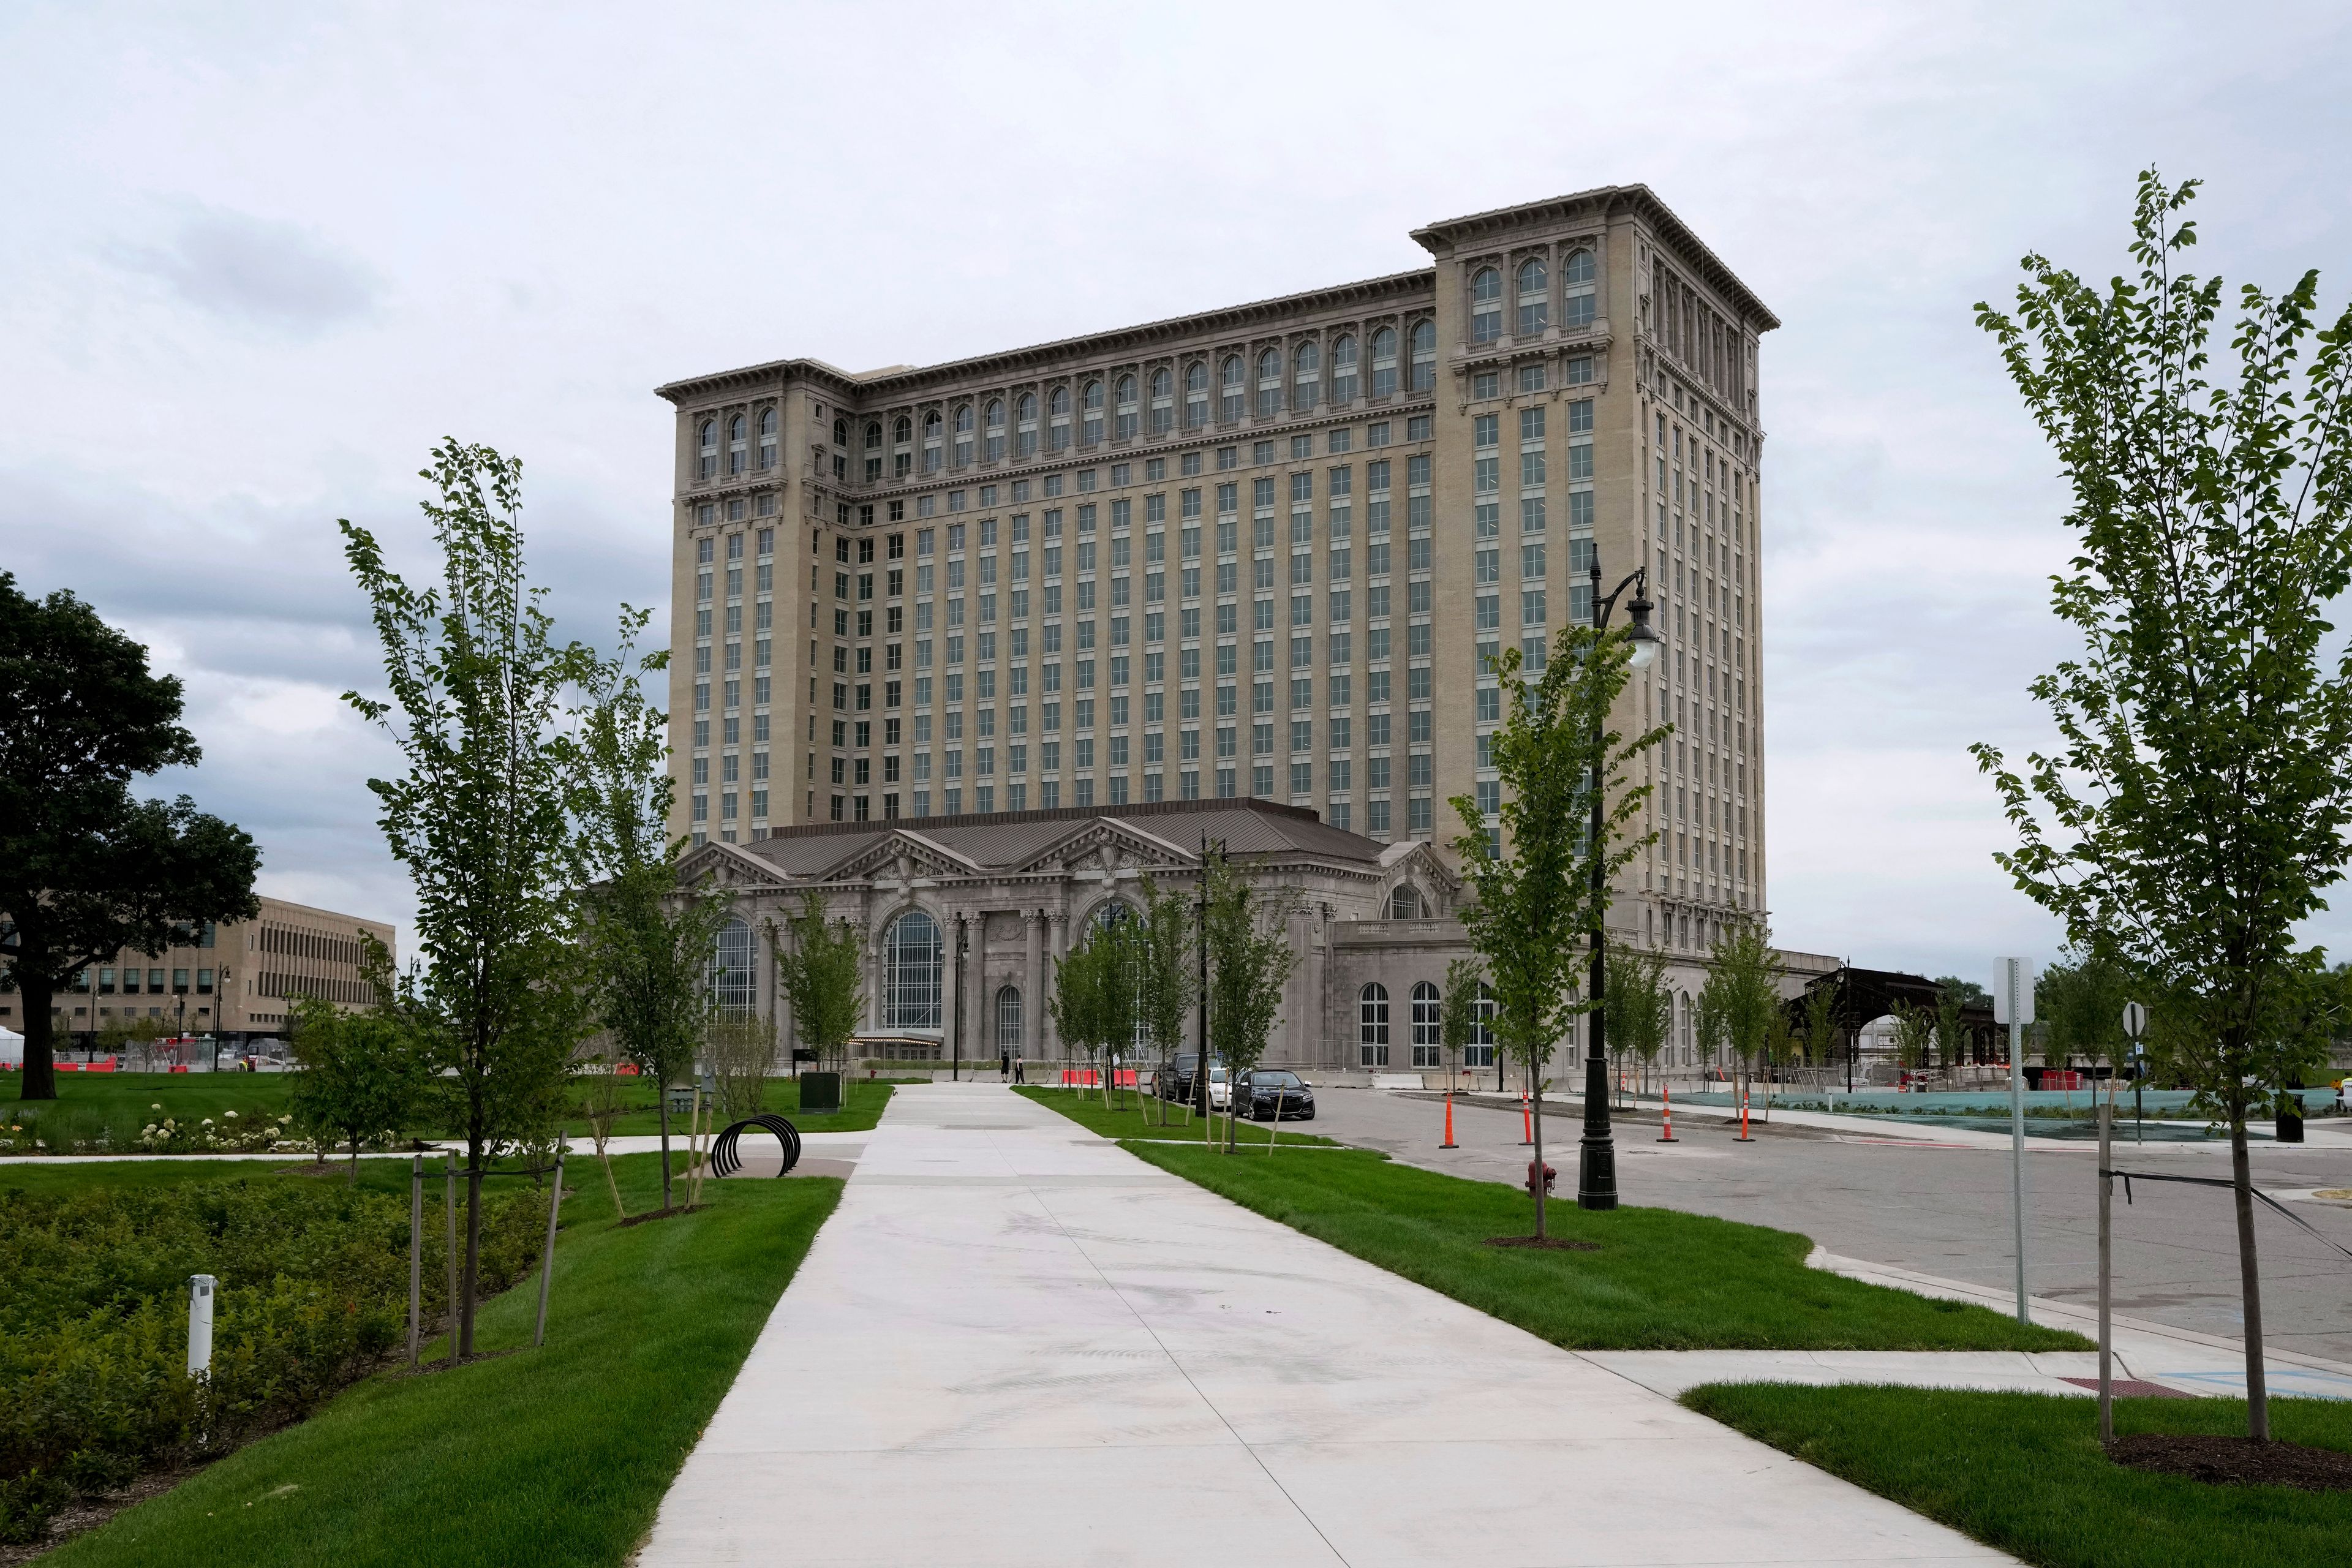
1275 1093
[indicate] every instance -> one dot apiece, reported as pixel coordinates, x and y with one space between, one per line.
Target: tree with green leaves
1820 1026
1164 967
362 1076
2079 1005
1249 961
1742 990
1641 1002
481 819
2197 804
1709 1030
1460 1016
86 869
1951 1044
821 973
1537 898
648 938
1914 1032
1095 994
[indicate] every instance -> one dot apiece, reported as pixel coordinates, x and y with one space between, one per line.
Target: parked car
1179 1085
1278 1092
1221 1093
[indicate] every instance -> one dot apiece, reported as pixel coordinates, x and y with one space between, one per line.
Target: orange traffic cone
1668 1137
1743 1137
1449 1124
1526 1123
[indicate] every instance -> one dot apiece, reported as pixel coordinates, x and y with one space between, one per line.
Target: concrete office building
1257 552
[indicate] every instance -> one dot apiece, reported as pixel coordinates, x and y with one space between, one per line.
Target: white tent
12 1049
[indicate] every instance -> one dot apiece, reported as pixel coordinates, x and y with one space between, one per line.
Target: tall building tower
1260 551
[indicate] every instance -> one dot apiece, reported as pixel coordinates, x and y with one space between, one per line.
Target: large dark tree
87 870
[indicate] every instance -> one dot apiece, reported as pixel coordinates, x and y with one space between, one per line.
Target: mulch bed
2236 1461
1547 1243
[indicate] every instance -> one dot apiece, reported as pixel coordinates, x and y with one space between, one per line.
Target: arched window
902 431
874 435
841 433
934 438
739 447
1230 393
1577 305
1093 403
730 969
1269 384
767 438
1196 396
1372 1026
706 439
1428 1030
1384 363
902 440
1404 903
992 448
1485 306
913 959
1163 402
963 455
1306 377
1024 434
1535 299
1425 356
1480 1051
1343 368
1057 419
1123 409
1008 1021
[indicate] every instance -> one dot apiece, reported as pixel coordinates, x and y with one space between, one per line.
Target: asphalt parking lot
1941 1210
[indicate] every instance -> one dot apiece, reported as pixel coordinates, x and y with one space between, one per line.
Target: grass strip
1137 1117
555 1456
2024 1472
863 1102
1656 1280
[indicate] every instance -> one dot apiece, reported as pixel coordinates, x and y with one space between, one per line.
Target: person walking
1019 1070
1004 1067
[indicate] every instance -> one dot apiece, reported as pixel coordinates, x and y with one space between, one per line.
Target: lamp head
1642 637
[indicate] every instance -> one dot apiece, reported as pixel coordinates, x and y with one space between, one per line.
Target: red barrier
625 1069
177 1067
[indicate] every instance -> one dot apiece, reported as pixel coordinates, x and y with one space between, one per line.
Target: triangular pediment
727 866
1107 844
898 855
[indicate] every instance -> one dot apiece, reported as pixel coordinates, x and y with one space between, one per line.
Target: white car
1221 1093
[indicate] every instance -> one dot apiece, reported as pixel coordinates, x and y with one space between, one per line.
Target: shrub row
93 1319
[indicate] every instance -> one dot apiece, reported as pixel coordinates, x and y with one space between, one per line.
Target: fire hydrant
1550 1175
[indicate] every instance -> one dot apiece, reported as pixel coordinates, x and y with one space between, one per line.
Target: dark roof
992 840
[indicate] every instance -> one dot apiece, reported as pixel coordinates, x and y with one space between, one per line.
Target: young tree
741 1047
1949 1043
1915 1031
1165 969
1741 994
1077 1001
1641 1004
1249 961
1460 1018
2197 805
1821 1032
821 973
602 1103
362 1076
1536 900
649 938
2080 1006
481 819
86 870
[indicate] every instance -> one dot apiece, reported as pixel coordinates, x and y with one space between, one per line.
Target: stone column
1311 1010
1049 1041
1033 984
951 973
975 1007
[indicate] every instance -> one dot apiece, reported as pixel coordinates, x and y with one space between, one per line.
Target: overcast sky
257 258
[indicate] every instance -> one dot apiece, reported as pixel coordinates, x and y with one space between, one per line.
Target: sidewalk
1016 1345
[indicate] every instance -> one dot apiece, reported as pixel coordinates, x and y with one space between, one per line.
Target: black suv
1174 1081
1276 1093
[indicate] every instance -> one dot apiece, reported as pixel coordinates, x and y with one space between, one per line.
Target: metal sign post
2013 1003
2135 1025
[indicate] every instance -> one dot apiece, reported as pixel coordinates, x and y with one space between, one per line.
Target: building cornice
1603 204
1400 290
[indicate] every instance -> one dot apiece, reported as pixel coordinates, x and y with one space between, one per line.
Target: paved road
1016 1345
1944 1211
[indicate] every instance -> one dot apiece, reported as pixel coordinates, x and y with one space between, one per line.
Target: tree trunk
2250 1284
470 1284
661 1098
1536 1180
40 1076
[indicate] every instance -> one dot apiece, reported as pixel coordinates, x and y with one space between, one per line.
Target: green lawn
1659 1280
556 1455
1131 1115
2024 1472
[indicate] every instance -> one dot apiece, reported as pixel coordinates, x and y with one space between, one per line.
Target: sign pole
2013 1001
2107 1275
2135 1025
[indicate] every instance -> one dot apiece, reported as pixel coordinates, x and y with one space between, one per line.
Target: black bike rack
725 1160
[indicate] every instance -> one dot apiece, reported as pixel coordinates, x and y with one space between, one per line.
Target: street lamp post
1596 1156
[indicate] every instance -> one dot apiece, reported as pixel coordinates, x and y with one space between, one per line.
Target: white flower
230 1114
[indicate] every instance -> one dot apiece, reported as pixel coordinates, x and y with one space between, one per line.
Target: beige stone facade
1258 552
236 980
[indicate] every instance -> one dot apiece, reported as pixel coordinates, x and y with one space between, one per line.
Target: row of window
1533 298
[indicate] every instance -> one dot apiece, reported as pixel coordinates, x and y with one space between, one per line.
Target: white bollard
200 1324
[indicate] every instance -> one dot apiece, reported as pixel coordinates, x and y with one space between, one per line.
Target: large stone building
1263 553
232 981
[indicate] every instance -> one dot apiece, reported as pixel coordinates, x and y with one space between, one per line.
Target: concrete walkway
1017 1344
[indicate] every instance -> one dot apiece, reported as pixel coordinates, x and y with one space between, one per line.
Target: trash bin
820 1092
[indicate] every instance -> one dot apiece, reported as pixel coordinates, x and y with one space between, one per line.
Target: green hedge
93 1319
